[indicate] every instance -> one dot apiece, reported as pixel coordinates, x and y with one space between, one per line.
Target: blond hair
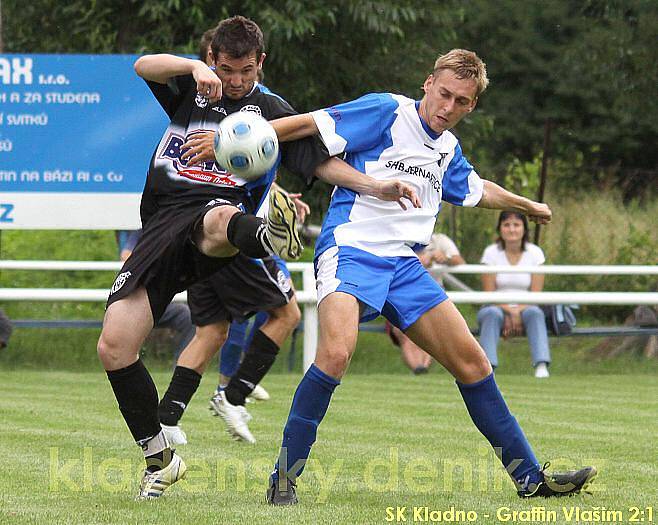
465 64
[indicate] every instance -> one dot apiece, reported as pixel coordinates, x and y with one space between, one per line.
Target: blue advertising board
76 136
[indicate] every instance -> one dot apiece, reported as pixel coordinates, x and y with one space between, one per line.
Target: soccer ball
246 145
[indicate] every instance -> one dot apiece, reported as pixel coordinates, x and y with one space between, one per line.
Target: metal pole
310 320
543 170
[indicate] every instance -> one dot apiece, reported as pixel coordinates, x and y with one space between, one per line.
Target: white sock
155 444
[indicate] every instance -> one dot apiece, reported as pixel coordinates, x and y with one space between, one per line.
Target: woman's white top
494 255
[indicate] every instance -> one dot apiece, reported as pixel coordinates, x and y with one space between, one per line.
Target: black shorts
239 290
165 260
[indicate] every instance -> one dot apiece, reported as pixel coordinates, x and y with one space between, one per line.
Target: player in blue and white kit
365 262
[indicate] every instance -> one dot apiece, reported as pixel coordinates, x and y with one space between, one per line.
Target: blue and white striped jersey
383 136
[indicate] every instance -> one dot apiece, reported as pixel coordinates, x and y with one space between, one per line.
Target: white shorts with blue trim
399 288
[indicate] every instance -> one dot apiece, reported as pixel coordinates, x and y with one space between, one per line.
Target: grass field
388 441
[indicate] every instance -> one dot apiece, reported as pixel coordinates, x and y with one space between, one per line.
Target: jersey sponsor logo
207 172
253 108
283 282
120 281
417 171
219 109
200 100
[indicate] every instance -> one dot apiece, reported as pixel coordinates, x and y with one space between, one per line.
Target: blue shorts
399 288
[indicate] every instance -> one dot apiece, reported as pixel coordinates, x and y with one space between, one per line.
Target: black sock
183 384
245 232
138 400
257 361
159 460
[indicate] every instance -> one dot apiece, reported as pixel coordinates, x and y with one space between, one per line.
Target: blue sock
231 354
308 408
491 416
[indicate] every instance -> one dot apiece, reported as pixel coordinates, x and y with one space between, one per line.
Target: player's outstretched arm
338 173
498 198
160 68
294 127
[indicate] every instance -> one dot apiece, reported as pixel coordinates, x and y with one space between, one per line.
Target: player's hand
440 257
425 259
207 82
539 212
301 208
199 148
395 190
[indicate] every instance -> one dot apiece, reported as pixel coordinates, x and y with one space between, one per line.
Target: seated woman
512 248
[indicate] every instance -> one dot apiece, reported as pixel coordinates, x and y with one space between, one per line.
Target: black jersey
170 179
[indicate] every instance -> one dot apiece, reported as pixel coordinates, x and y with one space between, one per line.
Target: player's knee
472 364
211 237
287 316
334 361
292 316
477 367
213 335
111 353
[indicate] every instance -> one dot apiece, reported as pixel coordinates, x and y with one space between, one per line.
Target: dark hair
238 37
206 38
504 215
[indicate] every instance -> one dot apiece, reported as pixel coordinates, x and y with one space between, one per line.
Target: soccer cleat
560 483
236 417
155 483
259 394
541 371
174 434
282 493
280 233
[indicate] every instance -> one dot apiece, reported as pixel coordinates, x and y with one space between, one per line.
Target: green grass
75 350
381 429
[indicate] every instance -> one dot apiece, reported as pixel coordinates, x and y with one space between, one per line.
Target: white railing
306 296
555 269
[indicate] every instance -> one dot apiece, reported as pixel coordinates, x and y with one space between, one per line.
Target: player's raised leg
443 333
127 323
226 229
339 322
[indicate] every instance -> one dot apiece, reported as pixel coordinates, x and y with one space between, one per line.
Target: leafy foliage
587 66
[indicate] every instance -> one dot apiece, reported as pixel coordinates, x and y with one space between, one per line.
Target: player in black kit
197 217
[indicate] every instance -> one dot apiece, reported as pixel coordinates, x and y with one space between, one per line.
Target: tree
589 67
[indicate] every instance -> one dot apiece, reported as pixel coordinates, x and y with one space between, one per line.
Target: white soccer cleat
175 435
259 394
236 417
155 483
541 371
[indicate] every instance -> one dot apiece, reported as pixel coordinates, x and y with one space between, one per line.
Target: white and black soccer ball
246 145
